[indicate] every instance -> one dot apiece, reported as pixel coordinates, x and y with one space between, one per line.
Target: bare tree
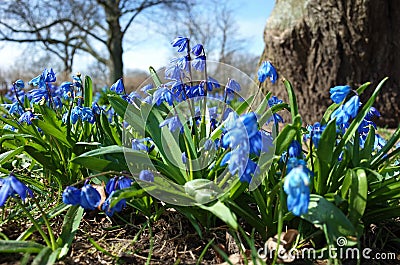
97 27
211 23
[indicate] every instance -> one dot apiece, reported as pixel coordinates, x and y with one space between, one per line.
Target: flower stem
35 223
46 221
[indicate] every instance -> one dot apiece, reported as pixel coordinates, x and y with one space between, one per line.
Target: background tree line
100 28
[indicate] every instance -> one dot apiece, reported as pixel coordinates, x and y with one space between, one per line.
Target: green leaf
119 105
292 99
105 125
285 137
358 195
12 246
99 164
155 77
264 104
41 157
377 159
4 157
57 131
223 212
42 257
70 226
322 212
324 154
88 97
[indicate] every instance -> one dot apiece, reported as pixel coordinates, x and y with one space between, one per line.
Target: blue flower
67 89
163 94
16 108
75 114
238 163
19 84
274 100
372 113
249 121
90 197
39 94
295 149
118 86
181 43
10 128
342 117
351 106
137 144
38 81
199 63
267 70
11 186
96 109
316 131
198 49
184 158
297 188
212 83
339 93
295 162
71 195
118 183
365 126
117 207
196 90
260 142
86 114
49 76
251 170
173 123
232 86
174 72
27 117
379 142
146 175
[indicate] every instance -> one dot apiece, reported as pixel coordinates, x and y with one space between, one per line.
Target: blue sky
250 15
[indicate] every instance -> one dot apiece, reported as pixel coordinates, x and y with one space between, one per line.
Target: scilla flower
90 197
339 93
71 195
27 117
173 123
11 186
351 106
315 131
117 207
267 70
181 43
297 187
146 175
118 86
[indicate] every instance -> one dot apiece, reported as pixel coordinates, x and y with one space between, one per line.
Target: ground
172 239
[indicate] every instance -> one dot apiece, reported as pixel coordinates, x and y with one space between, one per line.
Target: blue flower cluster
348 110
90 197
243 138
51 95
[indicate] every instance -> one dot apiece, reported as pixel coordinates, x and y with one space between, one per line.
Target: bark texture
317 44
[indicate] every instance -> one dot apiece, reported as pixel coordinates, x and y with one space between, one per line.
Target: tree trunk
319 44
116 64
114 40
